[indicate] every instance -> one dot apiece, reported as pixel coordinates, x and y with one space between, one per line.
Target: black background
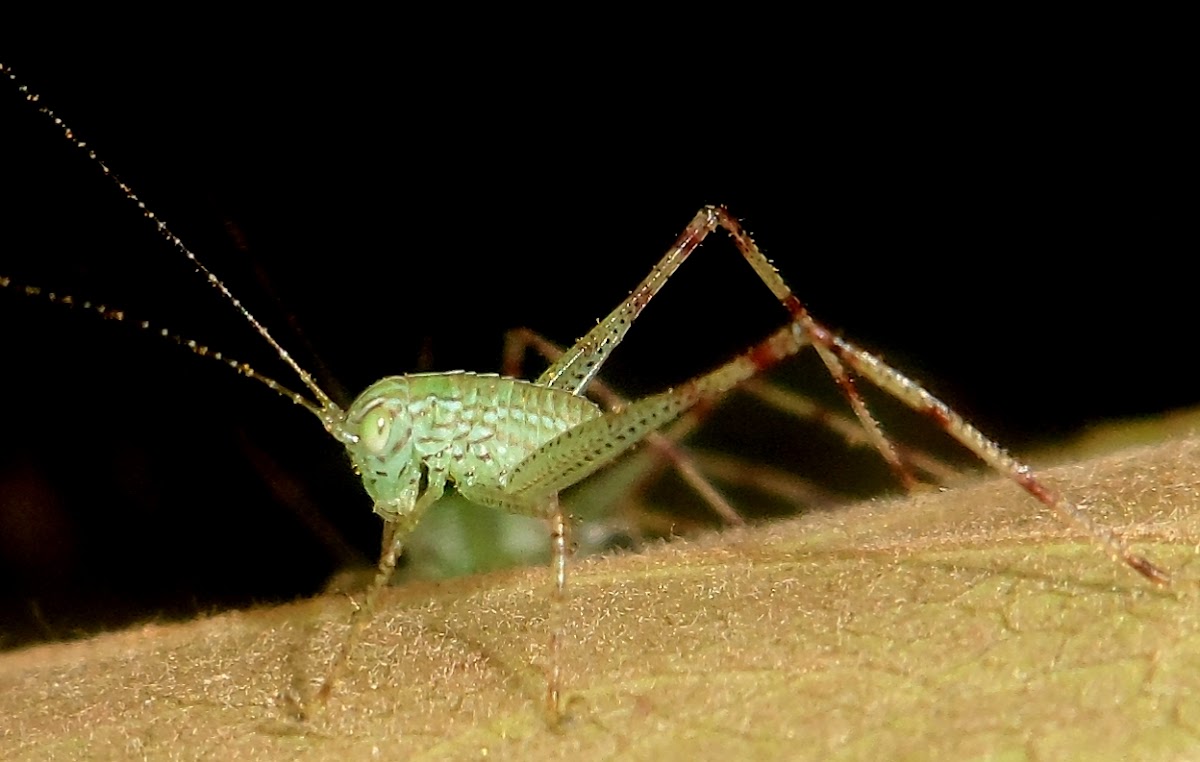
1011 231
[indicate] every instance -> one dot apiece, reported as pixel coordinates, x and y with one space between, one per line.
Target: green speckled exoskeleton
516 444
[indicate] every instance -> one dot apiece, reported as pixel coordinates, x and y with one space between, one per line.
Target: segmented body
475 427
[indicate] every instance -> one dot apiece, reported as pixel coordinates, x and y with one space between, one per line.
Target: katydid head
378 434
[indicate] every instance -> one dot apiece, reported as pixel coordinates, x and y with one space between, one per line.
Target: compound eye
375 431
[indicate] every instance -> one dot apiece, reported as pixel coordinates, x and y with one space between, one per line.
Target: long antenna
322 398
195 347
